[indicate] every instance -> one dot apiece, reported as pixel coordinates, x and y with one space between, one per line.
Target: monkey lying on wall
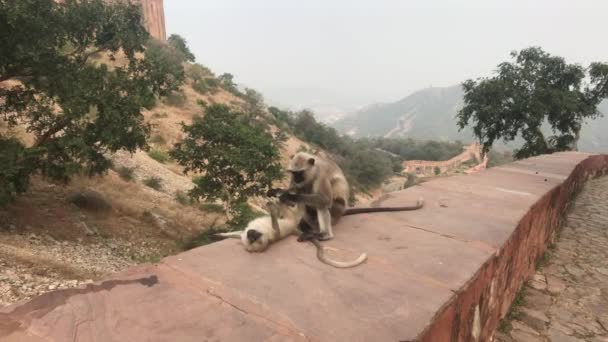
283 221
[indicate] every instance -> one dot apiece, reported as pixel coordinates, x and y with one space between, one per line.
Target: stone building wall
154 17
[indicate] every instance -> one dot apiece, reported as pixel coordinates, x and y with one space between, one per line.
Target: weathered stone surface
536 319
445 274
522 336
558 336
555 285
517 325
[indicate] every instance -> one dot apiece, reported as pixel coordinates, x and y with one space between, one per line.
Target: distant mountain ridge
431 114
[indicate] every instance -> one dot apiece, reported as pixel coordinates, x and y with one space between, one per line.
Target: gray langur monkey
283 221
320 185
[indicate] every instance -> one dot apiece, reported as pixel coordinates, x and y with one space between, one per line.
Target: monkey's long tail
338 264
232 235
353 211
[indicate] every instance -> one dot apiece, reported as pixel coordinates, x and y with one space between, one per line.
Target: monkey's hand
273 206
307 236
272 192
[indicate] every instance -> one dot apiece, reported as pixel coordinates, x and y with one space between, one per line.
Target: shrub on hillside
182 198
126 173
158 139
153 182
159 155
89 200
175 99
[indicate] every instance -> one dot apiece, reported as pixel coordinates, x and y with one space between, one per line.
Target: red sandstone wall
154 16
473 314
427 167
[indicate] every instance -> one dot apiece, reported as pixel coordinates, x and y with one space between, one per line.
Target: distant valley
430 114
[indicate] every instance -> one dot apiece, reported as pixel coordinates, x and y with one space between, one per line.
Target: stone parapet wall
473 314
446 272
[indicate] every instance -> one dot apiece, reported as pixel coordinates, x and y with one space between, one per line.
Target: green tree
254 103
76 110
235 159
536 88
178 43
165 63
227 82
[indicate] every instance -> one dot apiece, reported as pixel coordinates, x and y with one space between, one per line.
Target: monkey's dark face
302 167
253 235
298 176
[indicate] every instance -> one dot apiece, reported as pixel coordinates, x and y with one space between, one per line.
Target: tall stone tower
154 17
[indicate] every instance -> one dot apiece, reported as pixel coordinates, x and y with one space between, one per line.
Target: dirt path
567 300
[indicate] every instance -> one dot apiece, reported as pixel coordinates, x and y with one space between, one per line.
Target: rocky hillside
430 114
57 236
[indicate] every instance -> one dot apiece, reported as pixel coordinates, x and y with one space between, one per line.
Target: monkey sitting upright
321 186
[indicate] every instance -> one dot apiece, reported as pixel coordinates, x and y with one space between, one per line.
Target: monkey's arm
314 200
274 218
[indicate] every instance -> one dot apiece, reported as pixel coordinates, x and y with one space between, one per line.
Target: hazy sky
353 52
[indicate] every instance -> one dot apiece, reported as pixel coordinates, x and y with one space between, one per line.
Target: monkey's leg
307 231
325 224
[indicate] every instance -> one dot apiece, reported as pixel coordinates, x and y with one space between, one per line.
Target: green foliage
166 64
154 182
411 180
198 72
17 164
226 81
411 149
175 99
362 165
89 200
212 82
254 103
158 139
535 89
203 80
236 160
182 198
211 208
77 110
159 155
201 87
243 215
437 171
179 44
126 173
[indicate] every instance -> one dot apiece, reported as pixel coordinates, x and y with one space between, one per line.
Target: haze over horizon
353 53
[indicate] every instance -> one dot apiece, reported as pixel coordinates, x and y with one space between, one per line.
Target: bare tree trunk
577 135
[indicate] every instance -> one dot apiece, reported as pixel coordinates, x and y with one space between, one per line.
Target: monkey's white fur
289 217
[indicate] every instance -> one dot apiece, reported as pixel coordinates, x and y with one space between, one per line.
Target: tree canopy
76 109
178 43
236 160
533 90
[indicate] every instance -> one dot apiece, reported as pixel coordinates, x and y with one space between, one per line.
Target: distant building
154 17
